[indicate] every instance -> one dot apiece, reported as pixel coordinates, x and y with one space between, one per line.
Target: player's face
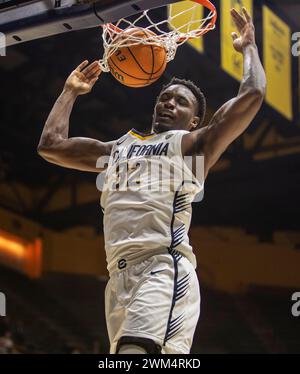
176 109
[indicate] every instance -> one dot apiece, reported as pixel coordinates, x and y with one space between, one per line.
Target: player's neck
146 132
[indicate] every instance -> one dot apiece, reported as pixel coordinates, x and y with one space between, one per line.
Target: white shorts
156 299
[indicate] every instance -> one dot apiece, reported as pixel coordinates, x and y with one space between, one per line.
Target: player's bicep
229 122
78 153
245 105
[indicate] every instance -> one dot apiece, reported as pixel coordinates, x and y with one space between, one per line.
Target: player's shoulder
122 139
166 135
174 134
192 142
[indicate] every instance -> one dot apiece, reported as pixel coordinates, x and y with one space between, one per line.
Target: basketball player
152 297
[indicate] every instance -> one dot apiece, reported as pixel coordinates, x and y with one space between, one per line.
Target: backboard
23 21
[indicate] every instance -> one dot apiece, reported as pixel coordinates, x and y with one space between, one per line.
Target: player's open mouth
165 115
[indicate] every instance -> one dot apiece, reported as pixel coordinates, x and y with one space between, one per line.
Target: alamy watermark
296 305
2 305
155 174
296 45
2 44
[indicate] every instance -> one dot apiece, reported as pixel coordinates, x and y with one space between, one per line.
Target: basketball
139 65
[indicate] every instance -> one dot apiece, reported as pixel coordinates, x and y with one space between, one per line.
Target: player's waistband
127 261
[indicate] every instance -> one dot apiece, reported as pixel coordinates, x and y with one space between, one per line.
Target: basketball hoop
162 33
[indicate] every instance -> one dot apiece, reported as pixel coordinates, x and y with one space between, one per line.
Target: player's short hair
195 90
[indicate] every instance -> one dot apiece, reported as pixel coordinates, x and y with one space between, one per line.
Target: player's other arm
233 118
55 146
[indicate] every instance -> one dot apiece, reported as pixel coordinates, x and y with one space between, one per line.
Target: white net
181 24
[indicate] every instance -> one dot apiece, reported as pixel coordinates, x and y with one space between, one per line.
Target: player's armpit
77 153
228 123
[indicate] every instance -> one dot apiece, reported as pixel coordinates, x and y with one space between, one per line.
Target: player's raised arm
233 118
55 145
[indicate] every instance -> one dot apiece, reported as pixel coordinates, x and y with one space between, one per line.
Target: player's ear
195 122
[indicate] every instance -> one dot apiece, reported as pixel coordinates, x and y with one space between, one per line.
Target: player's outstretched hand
83 78
245 28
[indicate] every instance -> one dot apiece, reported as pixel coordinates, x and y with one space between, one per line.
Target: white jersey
146 199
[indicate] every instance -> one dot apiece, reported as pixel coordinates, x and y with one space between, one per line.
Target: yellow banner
232 61
181 14
278 63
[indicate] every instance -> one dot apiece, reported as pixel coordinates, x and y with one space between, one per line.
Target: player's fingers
95 76
247 15
90 67
236 14
234 36
238 19
93 81
238 25
93 71
98 72
78 74
82 65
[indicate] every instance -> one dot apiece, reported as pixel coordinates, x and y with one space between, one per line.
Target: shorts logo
155 272
122 264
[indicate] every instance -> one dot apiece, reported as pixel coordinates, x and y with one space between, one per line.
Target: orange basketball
139 65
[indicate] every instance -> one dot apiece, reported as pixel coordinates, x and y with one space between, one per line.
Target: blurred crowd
10 341
13 341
